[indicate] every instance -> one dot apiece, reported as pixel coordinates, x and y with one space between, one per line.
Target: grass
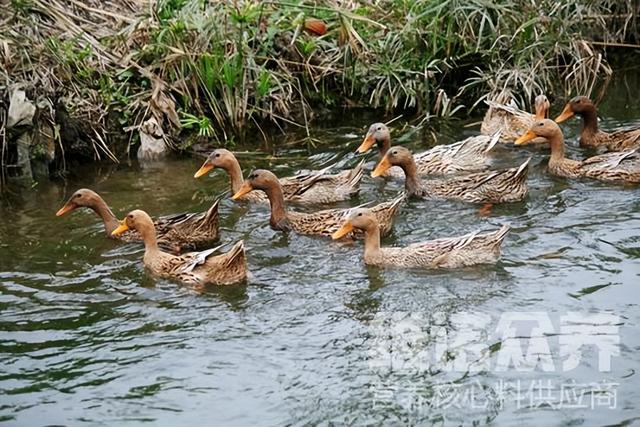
218 69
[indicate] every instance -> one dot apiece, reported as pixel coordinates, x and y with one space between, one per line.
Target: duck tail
523 169
501 233
494 140
355 175
236 254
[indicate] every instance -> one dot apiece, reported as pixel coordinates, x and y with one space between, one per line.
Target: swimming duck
591 136
468 155
311 187
509 185
322 222
510 121
623 166
177 233
453 252
195 268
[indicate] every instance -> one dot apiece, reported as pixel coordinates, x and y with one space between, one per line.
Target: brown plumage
510 121
195 268
312 187
469 155
321 223
591 135
621 166
470 249
508 185
177 233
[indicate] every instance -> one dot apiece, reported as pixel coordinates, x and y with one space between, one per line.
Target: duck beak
121 229
204 169
346 228
524 138
566 114
382 167
68 207
246 188
366 144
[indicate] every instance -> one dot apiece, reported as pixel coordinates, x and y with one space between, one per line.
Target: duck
453 252
470 154
178 233
591 135
194 268
306 188
620 167
489 187
320 223
510 121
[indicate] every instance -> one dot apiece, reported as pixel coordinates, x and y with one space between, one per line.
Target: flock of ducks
461 174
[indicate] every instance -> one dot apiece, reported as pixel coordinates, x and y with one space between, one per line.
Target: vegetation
219 68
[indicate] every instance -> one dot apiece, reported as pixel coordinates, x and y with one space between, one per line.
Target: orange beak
366 144
246 188
346 228
121 229
382 167
68 207
528 136
566 114
206 167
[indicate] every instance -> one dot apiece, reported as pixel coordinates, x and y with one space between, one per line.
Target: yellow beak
366 144
528 136
206 167
566 114
346 228
246 188
121 229
68 207
382 167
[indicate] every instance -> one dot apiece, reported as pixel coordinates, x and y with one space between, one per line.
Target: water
88 338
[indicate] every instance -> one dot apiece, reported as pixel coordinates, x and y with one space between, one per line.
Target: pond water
315 337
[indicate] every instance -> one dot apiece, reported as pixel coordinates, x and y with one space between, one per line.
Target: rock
152 145
21 110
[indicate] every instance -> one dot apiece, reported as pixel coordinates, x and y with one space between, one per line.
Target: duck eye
130 216
360 214
379 128
77 196
217 154
393 153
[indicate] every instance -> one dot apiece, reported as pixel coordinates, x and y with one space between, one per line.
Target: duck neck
108 218
557 149
278 208
371 242
148 234
412 183
235 175
383 145
589 122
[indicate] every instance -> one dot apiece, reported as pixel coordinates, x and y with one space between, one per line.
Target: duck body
509 122
470 249
508 185
195 268
305 188
320 223
177 233
471 154
591 135
616 167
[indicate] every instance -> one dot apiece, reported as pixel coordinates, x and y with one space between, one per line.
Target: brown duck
469 155
510 121
509 185
591 135
453 252
178 233
311 187
195 268
322 222
623 166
